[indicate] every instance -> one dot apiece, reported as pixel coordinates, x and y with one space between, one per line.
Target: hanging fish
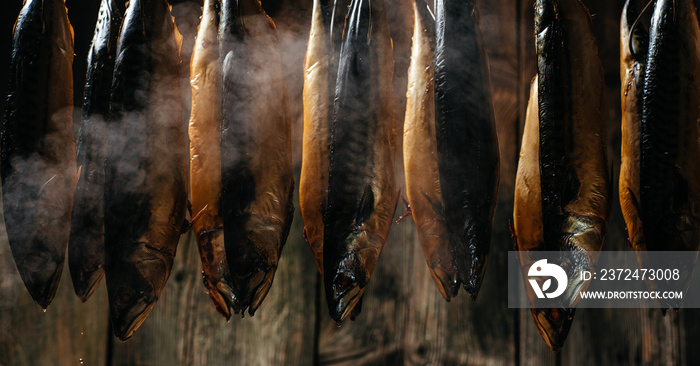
38 162
662 195
420 155
86 243
562 194
146 166
321 69
256 152
362 192
467 144
205 160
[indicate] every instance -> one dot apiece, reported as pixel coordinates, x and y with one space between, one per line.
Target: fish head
133 287
253 261
351 272
634 35
40 271
582 238
553 325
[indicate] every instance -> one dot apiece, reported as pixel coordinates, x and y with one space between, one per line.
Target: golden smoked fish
321 69
146 166
362 192
205 160
38 163
562 195
86 243
420 155
660 175
256 152
467 144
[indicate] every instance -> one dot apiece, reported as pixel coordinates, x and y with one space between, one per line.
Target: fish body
205 159
145 169
633 53
256 156
669 138
38 163
362 193
321 70
86 243
467 144
420 155
562 196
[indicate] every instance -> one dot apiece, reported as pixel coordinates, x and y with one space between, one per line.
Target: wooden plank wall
404 320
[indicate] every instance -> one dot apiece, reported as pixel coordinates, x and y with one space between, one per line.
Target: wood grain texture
404 320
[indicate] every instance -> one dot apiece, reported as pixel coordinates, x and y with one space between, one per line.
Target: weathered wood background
404 320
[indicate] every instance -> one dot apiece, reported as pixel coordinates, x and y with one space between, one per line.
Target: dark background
404 319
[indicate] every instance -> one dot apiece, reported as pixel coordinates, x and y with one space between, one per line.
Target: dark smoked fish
669 168
420 155
562 196
86 243
362 192
256 153
38 162
205 160
145 170
467 144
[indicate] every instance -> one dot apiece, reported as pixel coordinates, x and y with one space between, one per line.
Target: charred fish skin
38 162
362 192
256 170
633 53
205 160
669 169
145 169
86 243
574 186
467 144
420 155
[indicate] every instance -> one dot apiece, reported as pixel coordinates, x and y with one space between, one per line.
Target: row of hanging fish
347 190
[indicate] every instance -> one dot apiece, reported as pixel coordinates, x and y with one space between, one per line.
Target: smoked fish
467 144
633 55
320 72
362 193
562 195
146 165
205 160
420 155
38 162
86 243
663 195
256 152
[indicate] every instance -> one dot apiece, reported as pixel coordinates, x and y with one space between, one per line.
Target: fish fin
407 205
187 225
366 206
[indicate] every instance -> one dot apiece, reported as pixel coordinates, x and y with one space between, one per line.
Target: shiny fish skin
86 243
38 161
145 170
669 169
321 70
362 193
256 153
568 210
632 70
467 144
420 155
205 160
